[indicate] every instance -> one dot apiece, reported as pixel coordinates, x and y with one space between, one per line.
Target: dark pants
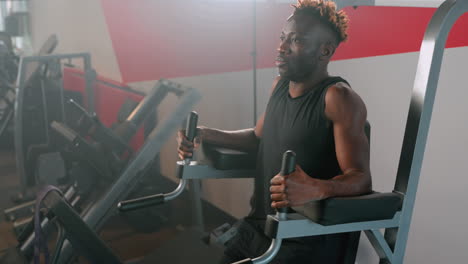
251 242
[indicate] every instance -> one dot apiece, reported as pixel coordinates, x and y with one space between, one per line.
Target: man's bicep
352 146
348 113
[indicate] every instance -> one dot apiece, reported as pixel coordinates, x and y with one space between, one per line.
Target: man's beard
299 74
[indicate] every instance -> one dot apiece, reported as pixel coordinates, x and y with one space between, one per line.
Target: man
317 116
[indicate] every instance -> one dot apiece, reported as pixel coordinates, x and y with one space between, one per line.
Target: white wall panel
80 27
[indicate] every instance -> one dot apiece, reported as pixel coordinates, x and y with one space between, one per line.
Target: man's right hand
185 147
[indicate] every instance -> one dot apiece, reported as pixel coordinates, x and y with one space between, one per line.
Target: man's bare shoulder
341 100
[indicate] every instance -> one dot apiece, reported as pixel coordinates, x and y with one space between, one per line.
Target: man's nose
283 47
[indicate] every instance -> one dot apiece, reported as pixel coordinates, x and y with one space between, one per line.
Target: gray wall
438 233
80 27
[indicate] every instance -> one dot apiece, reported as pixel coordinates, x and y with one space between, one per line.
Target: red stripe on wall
378 31
156 39
167 39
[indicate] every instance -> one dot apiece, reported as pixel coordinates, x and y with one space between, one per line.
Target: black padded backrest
82 238
229 159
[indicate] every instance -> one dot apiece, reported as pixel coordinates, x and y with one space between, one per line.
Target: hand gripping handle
288 166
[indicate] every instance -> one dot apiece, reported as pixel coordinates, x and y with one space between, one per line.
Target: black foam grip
142 202
191 129
288 166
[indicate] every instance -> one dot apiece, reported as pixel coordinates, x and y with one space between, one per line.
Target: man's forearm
244 139
350 183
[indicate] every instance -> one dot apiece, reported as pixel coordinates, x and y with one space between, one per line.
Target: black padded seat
341 210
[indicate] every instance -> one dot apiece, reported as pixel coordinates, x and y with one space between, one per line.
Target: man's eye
282 38
296 40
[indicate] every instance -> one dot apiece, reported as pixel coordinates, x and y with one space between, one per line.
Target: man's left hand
295 189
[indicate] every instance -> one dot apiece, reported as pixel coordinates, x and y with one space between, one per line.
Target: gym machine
369 213
9 68
46 109
40 100
98 213
112 143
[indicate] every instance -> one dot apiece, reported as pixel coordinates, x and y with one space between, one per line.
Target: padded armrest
341 210
228 159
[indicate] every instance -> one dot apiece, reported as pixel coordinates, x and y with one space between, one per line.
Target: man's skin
305 50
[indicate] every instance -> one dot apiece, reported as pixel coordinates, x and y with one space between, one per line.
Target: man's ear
326 51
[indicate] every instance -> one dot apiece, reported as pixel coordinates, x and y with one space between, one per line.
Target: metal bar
175 193
150 102
90 78
62 98
46 114
270 253
128 129
107 205
116 86
419 116
409 3
299 226
400 3
13 213
254 62
60 240
197 206
380 245
18 124
275 245
46 58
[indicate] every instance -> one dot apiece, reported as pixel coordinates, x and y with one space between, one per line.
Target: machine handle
288 166
191 129
142 202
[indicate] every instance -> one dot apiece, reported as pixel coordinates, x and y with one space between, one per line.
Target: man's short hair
326 12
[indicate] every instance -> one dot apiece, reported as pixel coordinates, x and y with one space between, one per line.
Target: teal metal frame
391 247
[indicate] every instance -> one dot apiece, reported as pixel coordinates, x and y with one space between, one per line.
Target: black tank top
297 124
